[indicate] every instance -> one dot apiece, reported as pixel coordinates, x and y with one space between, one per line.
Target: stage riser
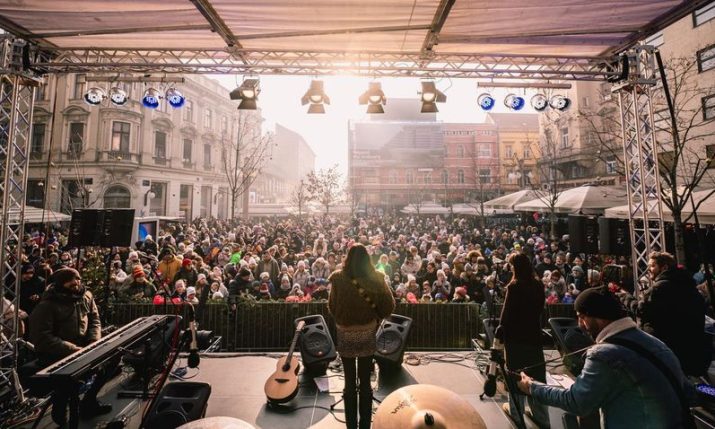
269 326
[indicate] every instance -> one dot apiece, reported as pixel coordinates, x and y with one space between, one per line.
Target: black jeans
350 394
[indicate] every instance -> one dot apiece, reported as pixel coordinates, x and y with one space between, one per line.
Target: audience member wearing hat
629 390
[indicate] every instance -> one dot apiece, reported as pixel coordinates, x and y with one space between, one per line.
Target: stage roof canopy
367 37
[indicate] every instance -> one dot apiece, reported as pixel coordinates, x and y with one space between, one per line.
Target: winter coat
63 323
349 308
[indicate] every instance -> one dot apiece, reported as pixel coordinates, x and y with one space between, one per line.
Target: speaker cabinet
178 403
105 228
317 349
583 234
614 237
391 340
117 227
570 338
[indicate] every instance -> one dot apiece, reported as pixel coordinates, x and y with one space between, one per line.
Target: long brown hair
357 263
523 270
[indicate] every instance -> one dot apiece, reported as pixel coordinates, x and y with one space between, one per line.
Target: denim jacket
629 391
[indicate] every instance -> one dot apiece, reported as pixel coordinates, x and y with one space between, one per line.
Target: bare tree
683 162
243 154
547 191
299 196
324 187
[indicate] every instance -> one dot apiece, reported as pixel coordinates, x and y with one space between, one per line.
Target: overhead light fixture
248 94
374 98
559 102
539 102
486 101
430 96
514 102
316 97
151 98
174 97
118 96
94 96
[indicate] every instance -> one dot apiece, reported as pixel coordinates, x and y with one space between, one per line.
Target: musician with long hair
359 300
520 331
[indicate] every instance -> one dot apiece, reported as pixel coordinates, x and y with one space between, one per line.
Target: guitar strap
361 291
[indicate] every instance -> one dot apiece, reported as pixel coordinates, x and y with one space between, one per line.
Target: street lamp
148 196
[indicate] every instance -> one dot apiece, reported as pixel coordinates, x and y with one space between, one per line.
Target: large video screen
146 228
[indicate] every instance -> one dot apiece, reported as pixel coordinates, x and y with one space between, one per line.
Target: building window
565 137
485 175
38 141
120 136
72 197
508 151
78 88
655 40
460 176
117 197
41 93
460 151
188 143
224 124
485 151
709 107
710 154
410 177
157 205
205 209
186 200
704 14
160 147
585 101
527 152
445 177
207 156
392 178
706 58
611 167
35 193
188 111
208 118
428 177
76 139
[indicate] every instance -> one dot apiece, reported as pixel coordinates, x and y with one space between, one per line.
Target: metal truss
641 161
17 94
370 64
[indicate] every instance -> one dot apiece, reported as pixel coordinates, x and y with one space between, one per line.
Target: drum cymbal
217 423
423 406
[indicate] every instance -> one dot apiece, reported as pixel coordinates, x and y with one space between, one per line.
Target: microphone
194 358
490 385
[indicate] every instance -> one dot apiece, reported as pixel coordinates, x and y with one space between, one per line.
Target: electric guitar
282 385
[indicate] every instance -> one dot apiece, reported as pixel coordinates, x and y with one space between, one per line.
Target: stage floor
237 390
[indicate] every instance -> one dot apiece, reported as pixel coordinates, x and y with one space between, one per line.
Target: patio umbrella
425 209
585 199
706 210
508 201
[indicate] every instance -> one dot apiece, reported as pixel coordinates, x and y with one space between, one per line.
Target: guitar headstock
300 325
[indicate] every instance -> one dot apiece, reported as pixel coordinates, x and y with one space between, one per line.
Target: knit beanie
599 302
186 262
64 275
138 271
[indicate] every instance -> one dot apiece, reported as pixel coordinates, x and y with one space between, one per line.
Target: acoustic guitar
282 385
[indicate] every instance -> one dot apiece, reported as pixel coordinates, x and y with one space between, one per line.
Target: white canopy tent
425 209
508 201
38 215
585 199
705 211
474 210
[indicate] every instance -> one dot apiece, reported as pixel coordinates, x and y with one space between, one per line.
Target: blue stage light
514 102
95 96
151 98
486 101
175 98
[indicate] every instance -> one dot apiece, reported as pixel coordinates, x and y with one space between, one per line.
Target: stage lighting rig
151 98
539 102
514 102
374 98
94 96
248 94
316 97
559 102
430 96
174 97
486 101
118 96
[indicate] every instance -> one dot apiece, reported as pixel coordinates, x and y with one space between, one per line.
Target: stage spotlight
374 98
248 94
514 102
539 102
174 97
430 97
559 102
316 97
118 96
486 101
94 96
151 98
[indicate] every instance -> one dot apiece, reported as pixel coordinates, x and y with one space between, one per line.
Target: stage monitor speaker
117 227
391 340
583 234
614 237
317 349
86 227
178 403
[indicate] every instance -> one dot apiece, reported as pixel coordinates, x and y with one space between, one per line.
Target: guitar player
65 320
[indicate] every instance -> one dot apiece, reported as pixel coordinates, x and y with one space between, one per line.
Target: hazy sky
327 134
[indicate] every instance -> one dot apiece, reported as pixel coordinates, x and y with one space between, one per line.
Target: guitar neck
298 329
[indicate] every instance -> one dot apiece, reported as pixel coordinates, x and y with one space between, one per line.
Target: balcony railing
119 157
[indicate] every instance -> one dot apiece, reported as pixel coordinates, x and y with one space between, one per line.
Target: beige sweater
349 308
